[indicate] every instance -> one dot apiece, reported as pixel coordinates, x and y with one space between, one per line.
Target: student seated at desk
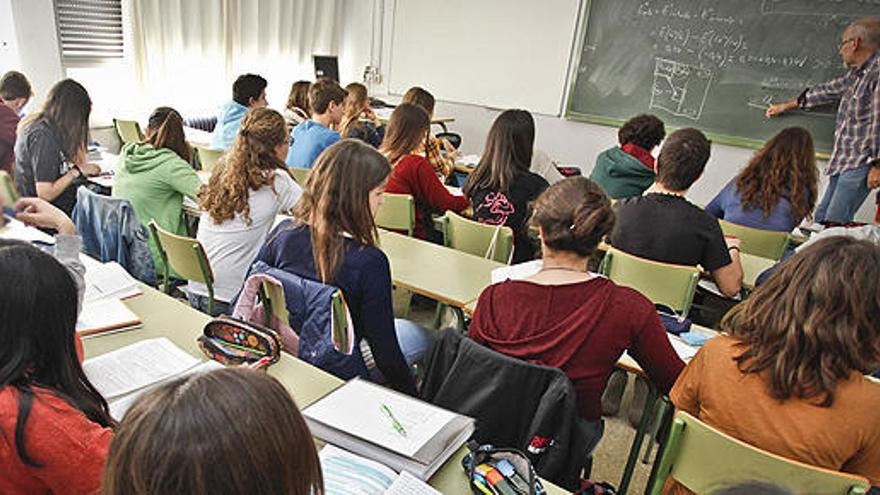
313 136
567 318
501 187
234 431
412 173
663 226
54 425
333 240
358 119
627 170
154 176
789 379
15 91
777 189
248 92
50 151
439 152
297 110
249 188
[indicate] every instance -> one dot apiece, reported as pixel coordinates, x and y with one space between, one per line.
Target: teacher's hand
874 178
780 108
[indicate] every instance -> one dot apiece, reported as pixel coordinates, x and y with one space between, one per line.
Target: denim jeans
844 196
413 339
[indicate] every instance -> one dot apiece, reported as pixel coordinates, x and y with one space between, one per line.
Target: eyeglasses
844 42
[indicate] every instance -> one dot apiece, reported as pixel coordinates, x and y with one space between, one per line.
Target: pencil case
236 342
504 471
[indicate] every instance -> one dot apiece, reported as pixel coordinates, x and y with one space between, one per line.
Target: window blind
89 31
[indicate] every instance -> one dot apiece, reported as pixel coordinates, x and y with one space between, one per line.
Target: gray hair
867 29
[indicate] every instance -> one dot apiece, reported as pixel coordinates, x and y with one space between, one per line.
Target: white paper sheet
137 366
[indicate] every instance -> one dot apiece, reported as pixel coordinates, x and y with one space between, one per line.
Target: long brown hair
508 153
166 131
353 107
421 97
234 430
574 215
784 167
336 201
299 96
406 129
814 322
67 108
249 165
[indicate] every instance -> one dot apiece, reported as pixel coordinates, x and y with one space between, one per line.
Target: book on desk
396 430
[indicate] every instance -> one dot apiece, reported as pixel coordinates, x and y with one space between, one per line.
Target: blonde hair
248 166
353 106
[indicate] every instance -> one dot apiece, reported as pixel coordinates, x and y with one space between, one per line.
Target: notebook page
105 314
346 473
119 407
136 366
407 484
109 280
356 408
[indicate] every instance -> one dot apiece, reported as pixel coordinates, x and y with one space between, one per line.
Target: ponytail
167 126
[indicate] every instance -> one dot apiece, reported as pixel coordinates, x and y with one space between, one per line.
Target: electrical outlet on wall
372 75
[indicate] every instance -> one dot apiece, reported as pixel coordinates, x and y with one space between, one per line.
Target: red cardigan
581 328
71 448
8 125
415 176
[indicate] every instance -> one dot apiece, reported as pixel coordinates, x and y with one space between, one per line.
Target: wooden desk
166 317
435 271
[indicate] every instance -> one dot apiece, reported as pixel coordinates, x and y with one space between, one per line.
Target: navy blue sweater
365 280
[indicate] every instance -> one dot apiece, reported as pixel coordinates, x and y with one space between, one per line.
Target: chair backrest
7 190
184 255
300 175
398 212
672 285
704 460
494 242
208 157
129 131
763 243
453 138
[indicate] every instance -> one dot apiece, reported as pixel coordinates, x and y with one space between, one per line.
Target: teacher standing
854 168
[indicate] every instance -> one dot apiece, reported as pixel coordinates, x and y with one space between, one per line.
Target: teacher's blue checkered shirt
857 137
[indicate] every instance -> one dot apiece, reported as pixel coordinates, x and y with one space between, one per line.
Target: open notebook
399 431
346 473
121 376
105 316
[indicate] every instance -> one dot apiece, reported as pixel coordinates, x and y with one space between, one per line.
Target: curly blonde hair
248 166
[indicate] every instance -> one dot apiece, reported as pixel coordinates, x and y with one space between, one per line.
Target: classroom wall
566 141
8 43
39 55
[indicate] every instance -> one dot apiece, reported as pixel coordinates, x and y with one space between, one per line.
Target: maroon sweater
415 176
8 124
581 328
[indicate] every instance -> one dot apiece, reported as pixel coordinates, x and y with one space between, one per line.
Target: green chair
300 175
8 190
704 459
272 296
129 131
208 158
763 243
186 256
672 285
398 212
494 242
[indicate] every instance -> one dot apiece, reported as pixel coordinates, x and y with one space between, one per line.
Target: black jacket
515 403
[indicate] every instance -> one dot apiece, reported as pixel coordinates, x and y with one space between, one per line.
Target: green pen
394 422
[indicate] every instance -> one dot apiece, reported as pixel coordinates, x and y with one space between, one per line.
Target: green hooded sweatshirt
155 182
620 174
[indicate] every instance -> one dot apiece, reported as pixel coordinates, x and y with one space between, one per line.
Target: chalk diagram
680 89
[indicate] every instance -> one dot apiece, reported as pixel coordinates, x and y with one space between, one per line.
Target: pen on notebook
394 422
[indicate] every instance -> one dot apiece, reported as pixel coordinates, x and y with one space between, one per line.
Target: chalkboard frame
583 26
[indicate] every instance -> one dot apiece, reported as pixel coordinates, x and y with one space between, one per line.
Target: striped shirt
857 136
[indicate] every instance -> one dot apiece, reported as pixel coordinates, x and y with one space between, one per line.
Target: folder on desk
396 430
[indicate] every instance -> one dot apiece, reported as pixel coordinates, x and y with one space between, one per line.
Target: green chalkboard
711 64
